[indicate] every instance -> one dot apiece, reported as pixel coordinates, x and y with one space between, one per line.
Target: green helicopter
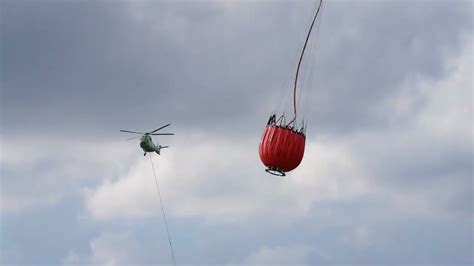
146 142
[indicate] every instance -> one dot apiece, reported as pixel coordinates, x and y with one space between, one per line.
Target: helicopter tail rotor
159 149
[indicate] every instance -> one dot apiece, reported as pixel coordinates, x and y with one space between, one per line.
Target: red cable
301 59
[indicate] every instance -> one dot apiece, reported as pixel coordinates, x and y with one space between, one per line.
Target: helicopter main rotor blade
163 134
133 138
131 132
159 128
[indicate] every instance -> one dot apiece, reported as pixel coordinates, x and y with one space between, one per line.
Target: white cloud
38 171
450 111
223 181
72 259
133 196
120 248
115 249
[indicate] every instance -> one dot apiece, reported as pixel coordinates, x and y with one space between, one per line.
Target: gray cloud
73 66
387 177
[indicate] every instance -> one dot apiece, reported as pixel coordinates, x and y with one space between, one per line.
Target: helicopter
146 143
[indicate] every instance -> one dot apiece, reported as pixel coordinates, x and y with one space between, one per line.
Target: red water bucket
281 149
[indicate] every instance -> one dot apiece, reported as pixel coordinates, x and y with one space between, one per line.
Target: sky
386 90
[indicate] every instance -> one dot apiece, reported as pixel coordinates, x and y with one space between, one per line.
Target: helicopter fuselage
146 143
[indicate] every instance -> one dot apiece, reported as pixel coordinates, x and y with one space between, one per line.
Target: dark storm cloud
71 64
68 66
96 66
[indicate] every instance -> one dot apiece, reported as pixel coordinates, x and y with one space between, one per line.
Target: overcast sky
387 92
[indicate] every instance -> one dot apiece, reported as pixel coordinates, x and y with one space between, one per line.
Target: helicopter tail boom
158 149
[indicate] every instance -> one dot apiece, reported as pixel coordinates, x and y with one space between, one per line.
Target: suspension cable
163 210
301 59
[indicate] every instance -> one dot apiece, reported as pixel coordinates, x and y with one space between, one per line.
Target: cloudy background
387 93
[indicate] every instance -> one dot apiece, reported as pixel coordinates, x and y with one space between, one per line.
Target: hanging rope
163 210
301 59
